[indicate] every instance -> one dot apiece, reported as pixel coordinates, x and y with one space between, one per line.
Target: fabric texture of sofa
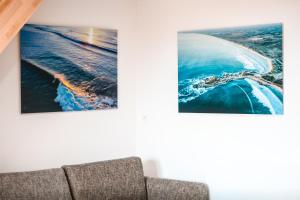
121 179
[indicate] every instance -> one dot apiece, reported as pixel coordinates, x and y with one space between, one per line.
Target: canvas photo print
68 68
231 70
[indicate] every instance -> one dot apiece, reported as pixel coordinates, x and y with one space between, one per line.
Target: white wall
36 141
241 157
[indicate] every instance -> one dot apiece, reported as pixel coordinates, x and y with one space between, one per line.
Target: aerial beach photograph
68 68
231 70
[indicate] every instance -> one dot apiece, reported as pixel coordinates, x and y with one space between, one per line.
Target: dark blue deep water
232 70
68 69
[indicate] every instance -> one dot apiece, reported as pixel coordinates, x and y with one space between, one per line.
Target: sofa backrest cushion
38 185
121 179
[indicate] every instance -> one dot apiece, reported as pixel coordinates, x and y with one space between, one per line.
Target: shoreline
269 60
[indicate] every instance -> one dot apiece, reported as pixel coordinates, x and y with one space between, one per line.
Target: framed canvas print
231 70
68 68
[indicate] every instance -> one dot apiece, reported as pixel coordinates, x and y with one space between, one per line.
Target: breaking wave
69 101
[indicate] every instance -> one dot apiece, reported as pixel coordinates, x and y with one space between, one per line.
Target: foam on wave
75 98
189 92
266 97
69 101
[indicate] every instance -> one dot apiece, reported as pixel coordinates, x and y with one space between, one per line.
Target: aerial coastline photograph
231 70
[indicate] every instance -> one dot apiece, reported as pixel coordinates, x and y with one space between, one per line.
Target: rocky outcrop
267 79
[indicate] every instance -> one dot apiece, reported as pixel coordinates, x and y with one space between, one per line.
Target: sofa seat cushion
121 179
38 185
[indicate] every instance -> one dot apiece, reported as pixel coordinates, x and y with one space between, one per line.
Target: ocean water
233 70
81 62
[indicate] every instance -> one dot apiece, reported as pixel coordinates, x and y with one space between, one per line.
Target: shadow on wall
151 168
7 64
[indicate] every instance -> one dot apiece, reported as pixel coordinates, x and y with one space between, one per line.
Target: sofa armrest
166 189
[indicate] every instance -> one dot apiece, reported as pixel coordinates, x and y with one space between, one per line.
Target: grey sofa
121 179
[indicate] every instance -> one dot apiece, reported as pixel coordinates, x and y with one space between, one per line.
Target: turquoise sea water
234 70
